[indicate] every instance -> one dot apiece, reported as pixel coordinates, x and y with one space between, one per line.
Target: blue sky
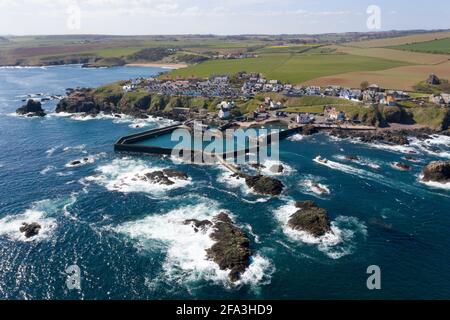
215 16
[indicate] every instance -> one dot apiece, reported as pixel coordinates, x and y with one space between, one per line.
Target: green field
435 46
288 67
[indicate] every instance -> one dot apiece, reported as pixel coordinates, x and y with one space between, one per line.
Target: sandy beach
160 65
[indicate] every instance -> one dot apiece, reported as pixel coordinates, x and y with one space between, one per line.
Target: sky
222 17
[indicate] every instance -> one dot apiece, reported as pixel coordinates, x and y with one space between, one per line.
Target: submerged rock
32 108
30 230
232 248
437 171
310 218
264 185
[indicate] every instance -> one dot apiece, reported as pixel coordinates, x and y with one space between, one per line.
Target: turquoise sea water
128 238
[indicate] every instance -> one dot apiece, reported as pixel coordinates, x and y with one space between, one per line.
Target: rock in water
164 177
310 218
232 248
158 177
30 230
264 185
277 168
171 173
437 171
32 108
199 225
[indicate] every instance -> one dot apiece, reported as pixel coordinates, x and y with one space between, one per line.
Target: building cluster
214 87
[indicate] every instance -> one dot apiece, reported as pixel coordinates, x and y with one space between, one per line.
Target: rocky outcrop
437 171
30 230
310 218
80 101
164 177
232 248
309 130
397 138
264 185
32 109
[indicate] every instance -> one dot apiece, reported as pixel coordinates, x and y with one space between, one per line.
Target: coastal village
246 86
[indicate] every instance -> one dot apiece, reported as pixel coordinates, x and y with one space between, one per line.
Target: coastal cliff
112 98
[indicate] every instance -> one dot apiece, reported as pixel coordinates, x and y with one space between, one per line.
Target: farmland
435 46
398 41
404 78
288 67
400 60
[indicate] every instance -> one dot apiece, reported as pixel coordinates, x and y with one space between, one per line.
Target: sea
121 238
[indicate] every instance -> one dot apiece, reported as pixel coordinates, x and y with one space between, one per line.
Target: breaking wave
434 184
42 212
123 175
186 261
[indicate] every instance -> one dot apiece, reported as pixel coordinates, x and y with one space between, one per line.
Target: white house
224 105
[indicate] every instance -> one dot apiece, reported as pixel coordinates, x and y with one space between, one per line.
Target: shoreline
172 66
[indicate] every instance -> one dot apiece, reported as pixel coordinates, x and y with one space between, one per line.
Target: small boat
401 166
352 158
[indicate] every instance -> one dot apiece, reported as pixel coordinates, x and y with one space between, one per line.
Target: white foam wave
186 259
394 148
80 147
47 169
124 175
41 212
336 244
296 137
433 146
119 118
435 184
361 161
84 161
23 67
348 169
315 187
269 164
